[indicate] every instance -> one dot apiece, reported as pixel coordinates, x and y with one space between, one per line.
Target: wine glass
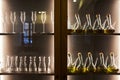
33 18
23 18
43 19
13 19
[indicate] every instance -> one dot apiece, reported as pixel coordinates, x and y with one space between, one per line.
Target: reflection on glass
27 36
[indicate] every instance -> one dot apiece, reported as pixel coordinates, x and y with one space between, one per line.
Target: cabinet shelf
26 73
93 73
22 33
43 33
90 34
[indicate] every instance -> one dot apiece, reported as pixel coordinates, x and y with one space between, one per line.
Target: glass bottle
12 64
91 66
21 64
7 69
102 67
32 64
16 63
112 68
49 65
25 63
42 64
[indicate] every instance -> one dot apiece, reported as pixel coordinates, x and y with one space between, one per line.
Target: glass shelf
25 73
93 34
93 73
8 33
22 33
43 33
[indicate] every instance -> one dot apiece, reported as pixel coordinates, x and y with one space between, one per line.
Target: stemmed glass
33 18
13 19
43 19
23 18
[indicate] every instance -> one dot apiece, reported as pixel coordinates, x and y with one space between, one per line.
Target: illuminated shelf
93 73
93 34
8 33
25 73
22 33
43 33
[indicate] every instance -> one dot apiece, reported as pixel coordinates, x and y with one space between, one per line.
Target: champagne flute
23 18
13 19
33 18
43 19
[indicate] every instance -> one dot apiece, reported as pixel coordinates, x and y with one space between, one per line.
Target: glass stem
13 28
23 27
33 27
43 28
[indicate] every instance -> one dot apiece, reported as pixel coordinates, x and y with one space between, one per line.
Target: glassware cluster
28 64
89 65
97 27
22 16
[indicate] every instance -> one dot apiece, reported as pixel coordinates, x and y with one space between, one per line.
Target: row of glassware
27 64
13 16
88 65
96 27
